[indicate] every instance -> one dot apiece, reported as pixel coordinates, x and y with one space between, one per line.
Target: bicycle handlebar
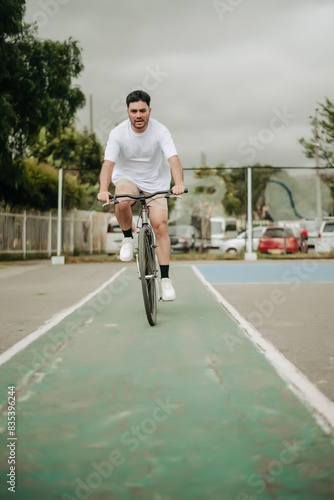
144 196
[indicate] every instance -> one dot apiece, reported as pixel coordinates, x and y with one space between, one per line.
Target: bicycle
147 264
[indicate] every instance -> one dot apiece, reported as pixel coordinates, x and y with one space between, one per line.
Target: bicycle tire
148 274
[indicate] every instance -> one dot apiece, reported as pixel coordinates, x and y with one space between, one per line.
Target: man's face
139 114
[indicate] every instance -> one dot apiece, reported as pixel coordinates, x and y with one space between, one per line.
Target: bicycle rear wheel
148 272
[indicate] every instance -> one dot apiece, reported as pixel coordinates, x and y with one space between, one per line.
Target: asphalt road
32 292
293 314
291 305
197 407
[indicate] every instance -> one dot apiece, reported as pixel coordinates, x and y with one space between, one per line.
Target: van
114 235
325 241
222 228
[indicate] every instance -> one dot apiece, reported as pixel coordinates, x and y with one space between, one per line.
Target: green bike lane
108 407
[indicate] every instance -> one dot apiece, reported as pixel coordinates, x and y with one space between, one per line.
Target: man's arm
177 173
105 179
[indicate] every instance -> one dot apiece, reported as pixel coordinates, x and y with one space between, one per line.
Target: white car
237 245
325 240
114 235
221 228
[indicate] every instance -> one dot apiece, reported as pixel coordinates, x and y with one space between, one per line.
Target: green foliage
35 86
321 145
322 142
71 149
76 195
235 197
11 14
38 189
234 200
79 153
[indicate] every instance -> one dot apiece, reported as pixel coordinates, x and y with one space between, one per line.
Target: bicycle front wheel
148 272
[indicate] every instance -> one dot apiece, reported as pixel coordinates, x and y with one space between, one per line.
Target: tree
77 151
235 197
321 145
322 142
39 189
11 14
35 87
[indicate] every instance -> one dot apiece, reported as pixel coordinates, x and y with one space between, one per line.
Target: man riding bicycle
139 157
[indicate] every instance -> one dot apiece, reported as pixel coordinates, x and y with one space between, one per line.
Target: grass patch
191 256
294 256
94 258
204 256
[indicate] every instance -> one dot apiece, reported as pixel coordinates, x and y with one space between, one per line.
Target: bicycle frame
145 221
146 259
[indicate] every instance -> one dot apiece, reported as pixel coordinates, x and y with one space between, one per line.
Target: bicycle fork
146 221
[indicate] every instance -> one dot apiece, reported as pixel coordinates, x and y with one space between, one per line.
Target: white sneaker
167 290
126 252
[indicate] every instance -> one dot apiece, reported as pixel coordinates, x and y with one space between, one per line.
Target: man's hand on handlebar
104 196
178 189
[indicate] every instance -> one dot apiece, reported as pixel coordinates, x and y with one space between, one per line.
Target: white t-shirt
142 157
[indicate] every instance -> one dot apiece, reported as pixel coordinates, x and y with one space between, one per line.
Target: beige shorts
125 186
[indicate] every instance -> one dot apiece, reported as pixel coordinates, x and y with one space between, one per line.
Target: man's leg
123 209
158 216
123 214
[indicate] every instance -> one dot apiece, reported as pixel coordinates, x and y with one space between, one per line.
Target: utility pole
91 113
249 254
59 259
318 183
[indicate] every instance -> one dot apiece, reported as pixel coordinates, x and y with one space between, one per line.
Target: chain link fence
29 233
288 196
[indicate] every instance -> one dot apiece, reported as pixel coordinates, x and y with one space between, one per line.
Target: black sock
128 233
164 270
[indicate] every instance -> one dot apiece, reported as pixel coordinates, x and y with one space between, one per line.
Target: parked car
222 228
184 238
236 245
302 244
278 240
114 236
298 226
325 240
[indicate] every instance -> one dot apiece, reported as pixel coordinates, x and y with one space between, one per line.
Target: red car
278 240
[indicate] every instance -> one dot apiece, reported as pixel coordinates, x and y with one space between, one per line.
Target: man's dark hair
138 95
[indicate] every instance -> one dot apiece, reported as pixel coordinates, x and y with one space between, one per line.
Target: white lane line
320 406
57 318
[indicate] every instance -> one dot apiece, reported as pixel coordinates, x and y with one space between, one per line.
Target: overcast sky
235 79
